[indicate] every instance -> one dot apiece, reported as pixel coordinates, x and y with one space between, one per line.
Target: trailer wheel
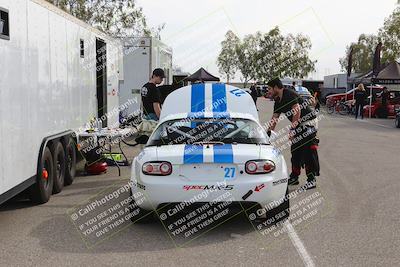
70 168
59 167
41 191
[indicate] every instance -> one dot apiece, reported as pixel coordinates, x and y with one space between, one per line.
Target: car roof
216 100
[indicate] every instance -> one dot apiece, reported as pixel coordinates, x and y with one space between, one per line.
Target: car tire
143 216
40 192
70 166
59 168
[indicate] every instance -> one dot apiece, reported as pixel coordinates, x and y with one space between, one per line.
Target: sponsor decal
259 187
140 186
281 181
208 187
246 196
238 92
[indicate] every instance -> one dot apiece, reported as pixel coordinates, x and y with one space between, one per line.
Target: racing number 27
230 173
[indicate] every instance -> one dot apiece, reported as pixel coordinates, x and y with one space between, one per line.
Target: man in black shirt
303 131
151 96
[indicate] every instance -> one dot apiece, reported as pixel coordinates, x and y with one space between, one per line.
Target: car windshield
226 131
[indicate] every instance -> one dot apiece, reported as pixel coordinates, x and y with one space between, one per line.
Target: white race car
209 142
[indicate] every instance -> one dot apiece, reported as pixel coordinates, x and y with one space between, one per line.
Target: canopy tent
365 78
389 75
202 76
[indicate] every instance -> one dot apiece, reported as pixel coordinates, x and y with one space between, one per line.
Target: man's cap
159 73
275 82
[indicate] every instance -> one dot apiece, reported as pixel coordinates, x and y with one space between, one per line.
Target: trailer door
101 74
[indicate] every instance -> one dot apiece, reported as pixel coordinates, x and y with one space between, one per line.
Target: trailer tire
40 192
60 164
70 166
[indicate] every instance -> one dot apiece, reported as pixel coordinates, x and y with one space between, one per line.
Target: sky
195 29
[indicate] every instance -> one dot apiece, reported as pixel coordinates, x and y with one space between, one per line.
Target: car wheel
59 167
40 192
70 168
139 215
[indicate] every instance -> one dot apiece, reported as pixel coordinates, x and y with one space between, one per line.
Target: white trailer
56 74
141 56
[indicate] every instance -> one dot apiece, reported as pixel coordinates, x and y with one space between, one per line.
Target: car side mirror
142 140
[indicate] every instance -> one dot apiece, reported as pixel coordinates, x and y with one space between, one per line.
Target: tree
363 53
364 48
265 56
119 18
227 59
283 56
246 52
390 35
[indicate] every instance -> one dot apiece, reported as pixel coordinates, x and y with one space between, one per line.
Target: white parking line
298 244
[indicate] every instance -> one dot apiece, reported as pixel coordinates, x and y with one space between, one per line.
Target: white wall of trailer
141 56
45 86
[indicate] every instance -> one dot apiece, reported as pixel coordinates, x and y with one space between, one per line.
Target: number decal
238 92
233 172
230 173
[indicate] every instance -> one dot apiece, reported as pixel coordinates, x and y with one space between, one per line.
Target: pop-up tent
202 76
389 75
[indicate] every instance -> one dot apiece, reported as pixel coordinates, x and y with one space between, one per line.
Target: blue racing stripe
198 99
223 153
198 103
219 100
193 154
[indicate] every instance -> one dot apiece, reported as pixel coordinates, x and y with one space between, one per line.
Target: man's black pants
304 151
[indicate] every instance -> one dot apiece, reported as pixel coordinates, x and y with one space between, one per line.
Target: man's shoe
293 181
311 184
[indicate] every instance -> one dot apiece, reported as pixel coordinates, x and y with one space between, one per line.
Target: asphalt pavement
351 219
